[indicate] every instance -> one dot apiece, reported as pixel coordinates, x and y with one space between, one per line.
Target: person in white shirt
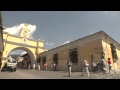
38 66
69 63
85 66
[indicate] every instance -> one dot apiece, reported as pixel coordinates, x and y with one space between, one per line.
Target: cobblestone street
35 74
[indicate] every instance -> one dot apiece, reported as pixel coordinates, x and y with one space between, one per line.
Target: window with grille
114 53
44 60
73 55
55 58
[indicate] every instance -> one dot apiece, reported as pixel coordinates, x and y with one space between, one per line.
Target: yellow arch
32 56
12 42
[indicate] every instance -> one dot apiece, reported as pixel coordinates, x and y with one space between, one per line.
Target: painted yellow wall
118 62
63 56
39 50
12 42
14 39
94 47
108 54
41 44
86 50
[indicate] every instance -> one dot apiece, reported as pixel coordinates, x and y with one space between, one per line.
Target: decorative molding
23 44
22 37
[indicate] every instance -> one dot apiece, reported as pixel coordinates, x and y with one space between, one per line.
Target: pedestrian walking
53 65
45 66
38 66
85 66
69 63
34 66
110 66
103 65
28 64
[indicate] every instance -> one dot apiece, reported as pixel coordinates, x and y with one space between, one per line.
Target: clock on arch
25 33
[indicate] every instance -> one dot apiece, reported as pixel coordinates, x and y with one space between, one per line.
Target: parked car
10 65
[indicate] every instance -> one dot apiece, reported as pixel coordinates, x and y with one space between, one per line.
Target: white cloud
50 44
15 30
65 42
91 33
32 29
13 53
23 53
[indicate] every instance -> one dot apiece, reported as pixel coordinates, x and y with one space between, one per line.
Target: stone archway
22 42
29 52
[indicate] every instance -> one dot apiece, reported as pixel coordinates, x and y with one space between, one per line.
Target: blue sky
59 27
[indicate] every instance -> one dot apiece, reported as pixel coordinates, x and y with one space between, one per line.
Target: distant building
10 58
26 61
19 60
91 47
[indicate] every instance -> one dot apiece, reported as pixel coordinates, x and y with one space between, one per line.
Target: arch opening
23 56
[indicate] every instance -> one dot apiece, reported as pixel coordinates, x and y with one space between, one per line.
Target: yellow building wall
49 60
32 43
41 44
39 50
13 39
95 48
118 62
107 50
12 42
85 50
89 48
108 54
63 56
4 35
21 40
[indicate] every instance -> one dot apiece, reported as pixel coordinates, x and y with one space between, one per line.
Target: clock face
25 32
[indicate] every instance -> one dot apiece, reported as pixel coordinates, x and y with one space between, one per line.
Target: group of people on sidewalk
85 66
45 66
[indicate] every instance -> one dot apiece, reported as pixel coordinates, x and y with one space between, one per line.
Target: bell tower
25 32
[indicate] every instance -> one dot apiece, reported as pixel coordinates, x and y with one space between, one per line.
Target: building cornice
22 37
22 44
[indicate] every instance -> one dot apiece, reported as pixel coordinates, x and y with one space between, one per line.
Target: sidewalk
101 75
